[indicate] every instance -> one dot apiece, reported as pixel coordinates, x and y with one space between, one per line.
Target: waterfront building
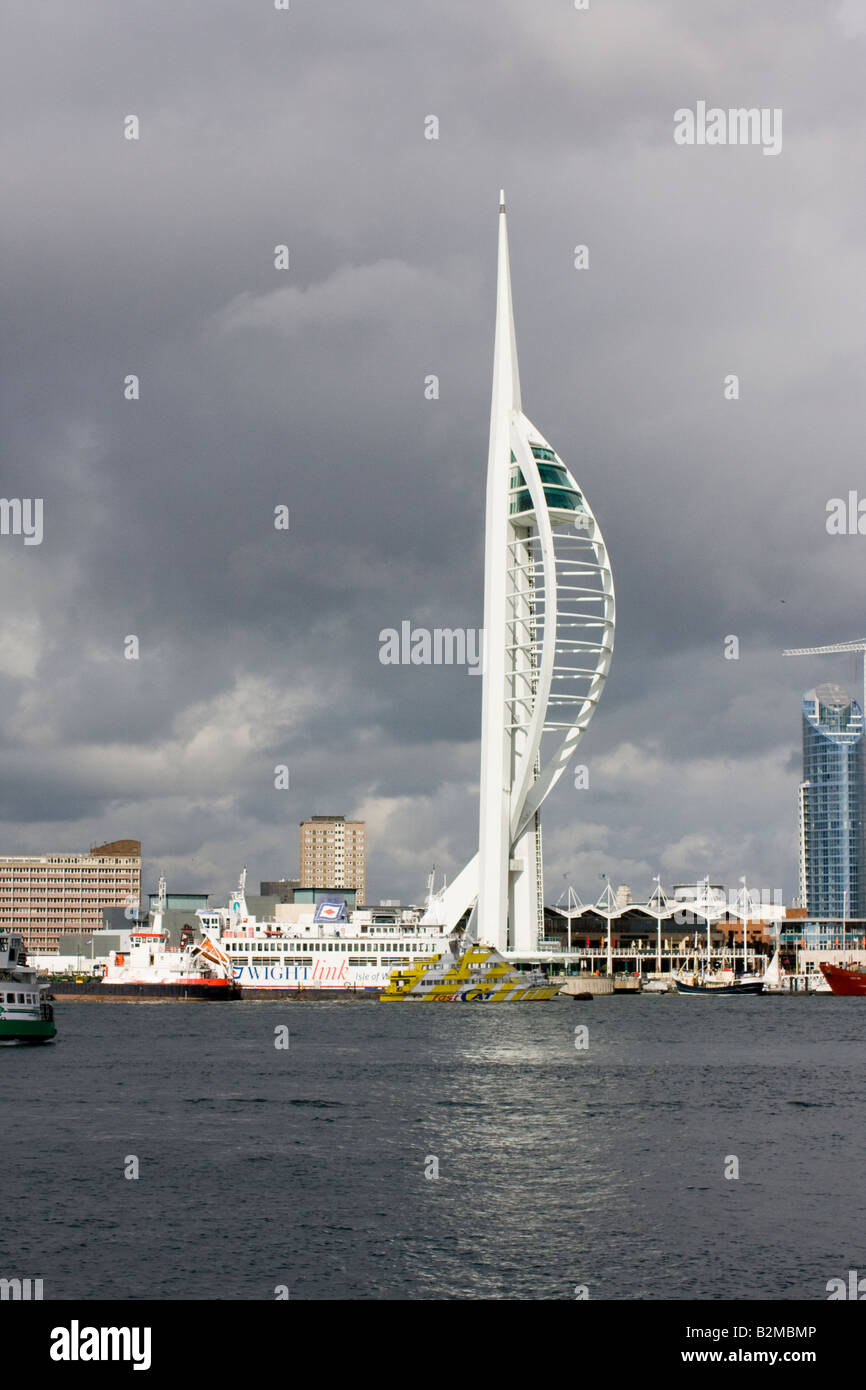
180 902
333 854
549 616
832 803
283 889
351 897
42 896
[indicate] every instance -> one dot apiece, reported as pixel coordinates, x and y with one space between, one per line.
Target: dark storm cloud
306 388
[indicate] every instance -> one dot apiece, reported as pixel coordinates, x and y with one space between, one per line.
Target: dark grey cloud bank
305 387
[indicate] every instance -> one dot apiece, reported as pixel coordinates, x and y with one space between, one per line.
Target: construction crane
856 646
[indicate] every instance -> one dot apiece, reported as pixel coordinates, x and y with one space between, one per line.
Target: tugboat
478 975
25 1017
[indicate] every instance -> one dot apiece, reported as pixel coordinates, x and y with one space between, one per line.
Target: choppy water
305 1167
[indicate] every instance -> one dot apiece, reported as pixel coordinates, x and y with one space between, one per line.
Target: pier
636 961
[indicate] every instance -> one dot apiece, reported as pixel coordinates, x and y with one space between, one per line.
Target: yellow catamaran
480 975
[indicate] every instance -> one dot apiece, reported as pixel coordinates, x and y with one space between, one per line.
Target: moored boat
25 1017
845 979
709 982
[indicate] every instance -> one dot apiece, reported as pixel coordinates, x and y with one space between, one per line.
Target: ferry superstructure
346 954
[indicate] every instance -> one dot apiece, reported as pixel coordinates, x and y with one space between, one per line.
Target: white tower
549 616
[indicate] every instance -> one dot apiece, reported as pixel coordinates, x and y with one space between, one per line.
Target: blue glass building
832 805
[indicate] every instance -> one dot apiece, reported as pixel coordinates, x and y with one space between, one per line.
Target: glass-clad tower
832 805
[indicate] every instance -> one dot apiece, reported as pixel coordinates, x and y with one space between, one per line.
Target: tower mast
495 801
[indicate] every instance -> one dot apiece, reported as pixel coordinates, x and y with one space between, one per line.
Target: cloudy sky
305 387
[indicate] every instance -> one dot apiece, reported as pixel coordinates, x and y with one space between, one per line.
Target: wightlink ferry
322 950
25 1017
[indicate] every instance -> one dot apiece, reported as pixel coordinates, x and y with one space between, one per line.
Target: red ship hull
845 979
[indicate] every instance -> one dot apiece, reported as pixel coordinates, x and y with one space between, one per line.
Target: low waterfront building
614 935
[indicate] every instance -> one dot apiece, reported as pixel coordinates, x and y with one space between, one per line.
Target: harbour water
304 1167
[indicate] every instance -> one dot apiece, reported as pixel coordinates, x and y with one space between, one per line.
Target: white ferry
323 950
24 1016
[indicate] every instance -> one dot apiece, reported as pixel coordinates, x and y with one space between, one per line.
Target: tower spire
506 376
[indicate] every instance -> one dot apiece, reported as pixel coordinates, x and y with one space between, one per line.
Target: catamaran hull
481 996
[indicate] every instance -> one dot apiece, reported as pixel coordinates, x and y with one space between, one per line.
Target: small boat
25 1017
845 979
709 982
657 986
711 986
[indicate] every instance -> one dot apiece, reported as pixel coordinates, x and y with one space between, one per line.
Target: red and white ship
152 969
